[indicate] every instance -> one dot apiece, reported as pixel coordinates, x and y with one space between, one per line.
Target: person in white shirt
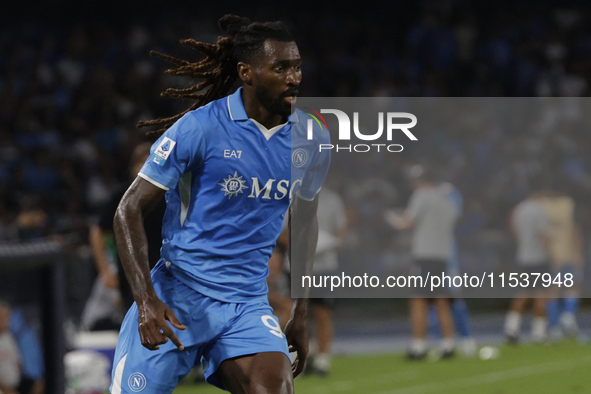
432 216
10 358
566 257
530 226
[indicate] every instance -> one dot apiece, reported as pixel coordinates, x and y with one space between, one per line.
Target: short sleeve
414 205
315 175
543 224
576 212
178 150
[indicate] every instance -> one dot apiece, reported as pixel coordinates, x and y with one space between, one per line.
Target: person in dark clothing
104 248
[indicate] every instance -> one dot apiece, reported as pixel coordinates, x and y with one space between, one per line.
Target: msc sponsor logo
272 189
233 185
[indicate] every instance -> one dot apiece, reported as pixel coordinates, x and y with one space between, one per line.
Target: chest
245 165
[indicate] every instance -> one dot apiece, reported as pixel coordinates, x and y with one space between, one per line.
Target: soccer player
229 167
432 216
530 226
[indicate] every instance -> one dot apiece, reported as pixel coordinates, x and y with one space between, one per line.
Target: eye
278 68
298 67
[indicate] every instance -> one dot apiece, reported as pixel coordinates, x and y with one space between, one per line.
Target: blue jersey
32 363
454 195
228 190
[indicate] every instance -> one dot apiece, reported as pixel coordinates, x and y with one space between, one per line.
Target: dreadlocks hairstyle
217 71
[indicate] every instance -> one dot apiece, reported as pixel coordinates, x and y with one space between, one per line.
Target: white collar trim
268 133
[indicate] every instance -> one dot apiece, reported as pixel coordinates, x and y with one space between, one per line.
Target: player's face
277 76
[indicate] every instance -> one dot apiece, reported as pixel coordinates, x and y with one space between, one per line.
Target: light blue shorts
216 331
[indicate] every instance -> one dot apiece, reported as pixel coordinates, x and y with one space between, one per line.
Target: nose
293 77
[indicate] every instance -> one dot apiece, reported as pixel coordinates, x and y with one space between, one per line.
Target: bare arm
341 234
133 252
6 390
304 236
283 240
99 252
400 221
579 246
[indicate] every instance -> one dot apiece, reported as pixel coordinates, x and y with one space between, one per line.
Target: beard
275 105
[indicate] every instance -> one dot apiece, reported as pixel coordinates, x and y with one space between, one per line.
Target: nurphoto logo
392 124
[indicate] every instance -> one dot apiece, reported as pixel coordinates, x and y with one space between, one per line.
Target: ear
245 72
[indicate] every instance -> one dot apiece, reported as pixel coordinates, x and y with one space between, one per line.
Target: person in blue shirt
29 344
228 167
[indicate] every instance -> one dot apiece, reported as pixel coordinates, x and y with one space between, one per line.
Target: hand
110 280
152 325
395 219
296 332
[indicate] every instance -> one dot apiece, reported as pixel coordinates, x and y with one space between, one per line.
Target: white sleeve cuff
153 182
307 199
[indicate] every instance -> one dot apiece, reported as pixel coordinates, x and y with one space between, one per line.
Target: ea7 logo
345 125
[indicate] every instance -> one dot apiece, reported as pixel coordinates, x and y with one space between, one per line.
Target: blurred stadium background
75 79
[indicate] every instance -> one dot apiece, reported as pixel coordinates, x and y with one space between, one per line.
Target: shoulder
208 112
566 201
530 208
519 209
451 190
418 195
185 139
187 124
192 125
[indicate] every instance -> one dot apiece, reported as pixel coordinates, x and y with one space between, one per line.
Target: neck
255 110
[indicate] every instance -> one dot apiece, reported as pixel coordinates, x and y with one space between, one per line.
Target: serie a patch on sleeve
163 151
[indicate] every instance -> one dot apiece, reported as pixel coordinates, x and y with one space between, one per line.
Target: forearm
4 388
306 240
299 307
399 221
579 247
132 246
304 237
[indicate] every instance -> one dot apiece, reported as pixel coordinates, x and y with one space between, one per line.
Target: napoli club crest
299 157
137 382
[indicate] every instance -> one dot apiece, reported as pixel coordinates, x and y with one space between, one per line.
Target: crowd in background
71 93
